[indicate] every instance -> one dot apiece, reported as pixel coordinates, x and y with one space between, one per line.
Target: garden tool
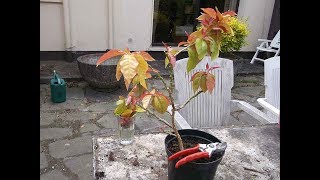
206 151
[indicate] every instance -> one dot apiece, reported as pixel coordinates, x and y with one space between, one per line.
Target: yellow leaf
127 83
160 103
128 66
146 99
143 82
143 65
118 71
126 113
139 109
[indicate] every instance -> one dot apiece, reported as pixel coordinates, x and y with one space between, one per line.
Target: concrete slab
53 175
43 161
73 147
88 127
82 166
252 153
54 133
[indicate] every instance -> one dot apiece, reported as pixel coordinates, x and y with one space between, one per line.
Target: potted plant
136 71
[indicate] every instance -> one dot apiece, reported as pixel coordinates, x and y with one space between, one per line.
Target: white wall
51 27
132 24
259 13
97 25
88 25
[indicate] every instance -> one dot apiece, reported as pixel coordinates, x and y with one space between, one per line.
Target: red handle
198 155
184 152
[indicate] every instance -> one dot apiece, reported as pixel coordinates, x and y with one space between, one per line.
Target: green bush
238 40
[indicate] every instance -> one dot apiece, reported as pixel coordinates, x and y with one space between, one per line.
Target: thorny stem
159 118
174 110
195 95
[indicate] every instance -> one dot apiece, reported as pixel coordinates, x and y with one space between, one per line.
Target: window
172 18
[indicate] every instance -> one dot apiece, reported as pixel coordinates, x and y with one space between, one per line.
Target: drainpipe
67 30
110 24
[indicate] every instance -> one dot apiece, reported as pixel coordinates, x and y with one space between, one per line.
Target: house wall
51 26
97 25
258 13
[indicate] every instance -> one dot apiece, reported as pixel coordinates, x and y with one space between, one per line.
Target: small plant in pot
136 71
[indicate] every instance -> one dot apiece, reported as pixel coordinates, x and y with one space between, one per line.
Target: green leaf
201 47
214 47
166 62
203 84
193 59
120 108
160 104
196 82
139 109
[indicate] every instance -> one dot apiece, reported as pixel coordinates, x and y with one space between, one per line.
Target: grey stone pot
102 77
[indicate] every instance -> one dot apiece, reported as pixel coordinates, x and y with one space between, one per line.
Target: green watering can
58 88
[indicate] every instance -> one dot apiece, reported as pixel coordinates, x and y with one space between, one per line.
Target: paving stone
255 91
54 133
43 161
88 127
47 118
75 93
144 122
246 119
108 121
81 165
100 107
53 175
68 104
66 148
81 116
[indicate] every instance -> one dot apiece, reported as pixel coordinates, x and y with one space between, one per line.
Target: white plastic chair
268 46
271 102
209 110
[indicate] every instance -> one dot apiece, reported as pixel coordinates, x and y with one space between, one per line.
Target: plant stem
174 110
159 118
181 50
161 78
195 95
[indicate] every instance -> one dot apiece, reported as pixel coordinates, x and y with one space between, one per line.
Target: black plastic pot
193 170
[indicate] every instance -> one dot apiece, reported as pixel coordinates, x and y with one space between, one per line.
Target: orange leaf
219 15
109 54
118 71
229 13
210 82
211 12
146 56
182 43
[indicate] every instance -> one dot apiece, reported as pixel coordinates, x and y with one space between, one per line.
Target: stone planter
102 77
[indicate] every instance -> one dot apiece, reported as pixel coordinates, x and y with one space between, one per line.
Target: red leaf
210 82
207 66
214 67
211 12
109 54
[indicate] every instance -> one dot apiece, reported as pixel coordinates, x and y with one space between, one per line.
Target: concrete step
70 71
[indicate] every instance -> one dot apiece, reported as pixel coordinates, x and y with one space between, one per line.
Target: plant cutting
136 71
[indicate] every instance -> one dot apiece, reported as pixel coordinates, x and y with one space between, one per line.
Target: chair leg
254 57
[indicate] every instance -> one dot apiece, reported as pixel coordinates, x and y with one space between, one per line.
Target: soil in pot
202 169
